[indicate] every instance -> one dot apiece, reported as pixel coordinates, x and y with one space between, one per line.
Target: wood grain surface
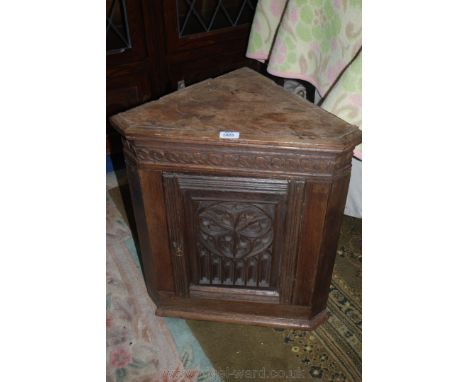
243 101
242 230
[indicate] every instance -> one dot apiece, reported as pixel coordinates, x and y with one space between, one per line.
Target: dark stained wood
155 226
149 268
240 230
314 210
205 62
291 231
196 57
175 219
127 86
219 293
240 312
131 74
199 40
231 226
324 268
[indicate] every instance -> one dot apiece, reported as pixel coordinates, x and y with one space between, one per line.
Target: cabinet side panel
175 220
315 208
142 229
157 260
335 208
291 239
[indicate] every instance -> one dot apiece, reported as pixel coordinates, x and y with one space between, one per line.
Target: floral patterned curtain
318 41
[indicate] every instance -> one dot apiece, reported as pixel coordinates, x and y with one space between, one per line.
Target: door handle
178 249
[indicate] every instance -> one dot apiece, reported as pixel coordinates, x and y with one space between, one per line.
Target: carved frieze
290 162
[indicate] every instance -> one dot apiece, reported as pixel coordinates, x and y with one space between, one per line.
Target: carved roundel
235 230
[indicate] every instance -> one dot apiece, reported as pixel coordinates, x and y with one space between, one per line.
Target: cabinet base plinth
270 315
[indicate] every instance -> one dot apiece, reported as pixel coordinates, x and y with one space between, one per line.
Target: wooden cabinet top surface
243 101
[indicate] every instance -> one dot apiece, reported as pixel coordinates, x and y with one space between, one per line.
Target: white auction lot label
229 134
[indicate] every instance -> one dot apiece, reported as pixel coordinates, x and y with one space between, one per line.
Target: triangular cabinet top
243 102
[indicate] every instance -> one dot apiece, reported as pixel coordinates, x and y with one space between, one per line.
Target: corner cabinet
238 230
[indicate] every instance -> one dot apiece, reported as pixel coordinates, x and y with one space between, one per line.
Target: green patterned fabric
315 41
264 27
345 97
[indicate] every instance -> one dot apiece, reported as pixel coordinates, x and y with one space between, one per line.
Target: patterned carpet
143 347
140 346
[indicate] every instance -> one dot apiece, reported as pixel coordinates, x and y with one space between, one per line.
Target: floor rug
208 351
140 346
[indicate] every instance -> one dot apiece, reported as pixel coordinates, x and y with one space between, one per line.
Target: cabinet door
232 238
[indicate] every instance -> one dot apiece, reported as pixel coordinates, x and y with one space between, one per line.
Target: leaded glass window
199 16
117 33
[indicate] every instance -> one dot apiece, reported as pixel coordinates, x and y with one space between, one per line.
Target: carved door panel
229 235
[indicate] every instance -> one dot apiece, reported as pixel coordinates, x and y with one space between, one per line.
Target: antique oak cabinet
241 229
